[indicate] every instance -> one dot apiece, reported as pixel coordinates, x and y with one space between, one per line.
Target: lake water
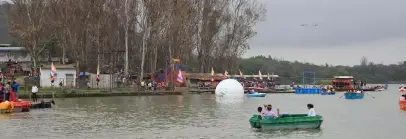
200 116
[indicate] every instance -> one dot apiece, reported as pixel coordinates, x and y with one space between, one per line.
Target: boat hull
298 121
257 95
402 104
369 89
353 95
6 107
41 105
328 93
21 106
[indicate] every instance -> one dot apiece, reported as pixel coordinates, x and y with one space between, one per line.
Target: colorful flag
98 73
269 78
53 72
180 78
241 75
53 69
225 74
212 74
260 75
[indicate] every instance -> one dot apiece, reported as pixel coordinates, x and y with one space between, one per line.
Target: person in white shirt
34 91
149 86
312 112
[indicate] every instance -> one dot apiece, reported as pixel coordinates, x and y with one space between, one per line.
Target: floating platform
199 91
42 104
308 90
274 91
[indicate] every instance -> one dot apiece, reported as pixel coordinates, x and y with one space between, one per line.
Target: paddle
342 95
369 95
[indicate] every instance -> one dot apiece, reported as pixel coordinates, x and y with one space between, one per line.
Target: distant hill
292 70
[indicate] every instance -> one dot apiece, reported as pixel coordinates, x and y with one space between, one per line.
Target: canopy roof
343 77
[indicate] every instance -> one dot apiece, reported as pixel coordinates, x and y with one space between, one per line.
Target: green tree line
291 71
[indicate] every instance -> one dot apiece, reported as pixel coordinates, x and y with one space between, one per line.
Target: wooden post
173 75
25 91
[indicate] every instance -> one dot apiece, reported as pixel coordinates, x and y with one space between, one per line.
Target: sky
346 30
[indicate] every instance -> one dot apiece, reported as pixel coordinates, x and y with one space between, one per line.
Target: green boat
286 121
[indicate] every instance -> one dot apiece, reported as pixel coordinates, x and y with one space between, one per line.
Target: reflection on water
202 116
300 133
5 116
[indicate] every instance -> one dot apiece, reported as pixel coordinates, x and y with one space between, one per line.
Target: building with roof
16 60
64 73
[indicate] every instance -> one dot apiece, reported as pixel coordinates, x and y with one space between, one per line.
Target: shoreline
99 94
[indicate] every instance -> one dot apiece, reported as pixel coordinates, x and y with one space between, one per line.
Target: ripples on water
200 116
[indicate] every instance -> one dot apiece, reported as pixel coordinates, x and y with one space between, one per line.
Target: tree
137 36
364 61
28 23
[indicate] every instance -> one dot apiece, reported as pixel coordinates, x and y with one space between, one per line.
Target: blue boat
328 93
256 94
353 95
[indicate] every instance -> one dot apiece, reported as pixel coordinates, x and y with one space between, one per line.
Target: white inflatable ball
229 90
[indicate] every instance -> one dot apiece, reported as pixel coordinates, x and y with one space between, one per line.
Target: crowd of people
153 85
9 91
259 84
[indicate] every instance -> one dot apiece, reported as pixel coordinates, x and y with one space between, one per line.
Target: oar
369 95
342 95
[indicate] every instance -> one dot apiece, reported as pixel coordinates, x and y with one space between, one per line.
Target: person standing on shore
34 91
149 86
15 88
2 95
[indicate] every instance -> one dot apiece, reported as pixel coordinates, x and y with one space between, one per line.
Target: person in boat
259 109
311 112
268 111
404 96
251 91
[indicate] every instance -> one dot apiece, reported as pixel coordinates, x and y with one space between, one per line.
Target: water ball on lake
229 88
